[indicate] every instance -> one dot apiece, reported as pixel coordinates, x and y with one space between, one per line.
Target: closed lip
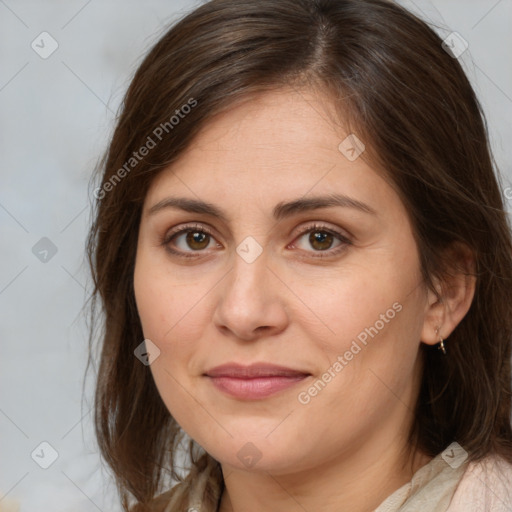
253 371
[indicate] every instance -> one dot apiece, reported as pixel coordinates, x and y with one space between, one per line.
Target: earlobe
456 291
435 315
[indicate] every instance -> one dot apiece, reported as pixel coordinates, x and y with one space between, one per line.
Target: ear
456 291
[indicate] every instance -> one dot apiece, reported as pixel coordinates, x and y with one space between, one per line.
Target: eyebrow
280 211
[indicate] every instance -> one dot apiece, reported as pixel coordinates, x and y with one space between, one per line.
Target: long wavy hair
390 80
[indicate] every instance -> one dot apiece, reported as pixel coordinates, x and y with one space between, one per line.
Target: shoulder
485 485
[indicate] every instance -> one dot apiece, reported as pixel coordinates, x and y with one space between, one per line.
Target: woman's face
255 251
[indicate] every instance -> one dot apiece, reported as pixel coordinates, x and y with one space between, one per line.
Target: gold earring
441 343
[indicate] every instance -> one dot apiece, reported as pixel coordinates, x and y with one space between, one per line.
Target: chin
255 453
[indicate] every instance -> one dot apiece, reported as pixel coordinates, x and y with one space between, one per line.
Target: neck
357 482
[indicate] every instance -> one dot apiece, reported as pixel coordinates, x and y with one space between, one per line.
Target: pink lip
253 382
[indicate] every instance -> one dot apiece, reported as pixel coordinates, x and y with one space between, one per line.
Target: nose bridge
249 280
250 296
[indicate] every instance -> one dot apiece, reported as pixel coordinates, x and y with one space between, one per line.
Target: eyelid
322 226
188 227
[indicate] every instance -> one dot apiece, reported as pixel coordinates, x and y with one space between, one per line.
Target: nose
251 301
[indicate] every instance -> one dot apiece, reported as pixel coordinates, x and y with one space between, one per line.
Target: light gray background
56 115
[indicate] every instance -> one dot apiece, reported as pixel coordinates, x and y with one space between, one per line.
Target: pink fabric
485 487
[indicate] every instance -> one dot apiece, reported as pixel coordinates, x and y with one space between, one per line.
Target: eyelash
307 229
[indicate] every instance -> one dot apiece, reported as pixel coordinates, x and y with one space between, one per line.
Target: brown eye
321 240
189 240
197 240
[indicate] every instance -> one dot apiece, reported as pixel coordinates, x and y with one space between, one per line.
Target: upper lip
239 371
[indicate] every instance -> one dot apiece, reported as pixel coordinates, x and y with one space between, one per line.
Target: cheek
174 314
371 375
166 305
372 316
357 303
170 318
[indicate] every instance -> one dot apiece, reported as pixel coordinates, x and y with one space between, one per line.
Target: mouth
253 382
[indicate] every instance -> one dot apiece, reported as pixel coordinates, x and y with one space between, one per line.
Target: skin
347 446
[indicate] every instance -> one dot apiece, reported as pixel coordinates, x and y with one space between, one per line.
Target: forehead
274 146
279 125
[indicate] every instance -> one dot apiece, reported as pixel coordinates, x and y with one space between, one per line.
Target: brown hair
392 83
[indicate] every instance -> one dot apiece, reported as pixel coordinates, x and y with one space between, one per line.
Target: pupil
196 240
320 240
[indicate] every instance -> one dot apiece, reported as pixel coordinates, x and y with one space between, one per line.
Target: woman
305 268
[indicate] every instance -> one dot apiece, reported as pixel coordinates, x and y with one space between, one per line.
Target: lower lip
255 388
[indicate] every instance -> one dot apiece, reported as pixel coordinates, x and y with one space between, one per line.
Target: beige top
448 483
